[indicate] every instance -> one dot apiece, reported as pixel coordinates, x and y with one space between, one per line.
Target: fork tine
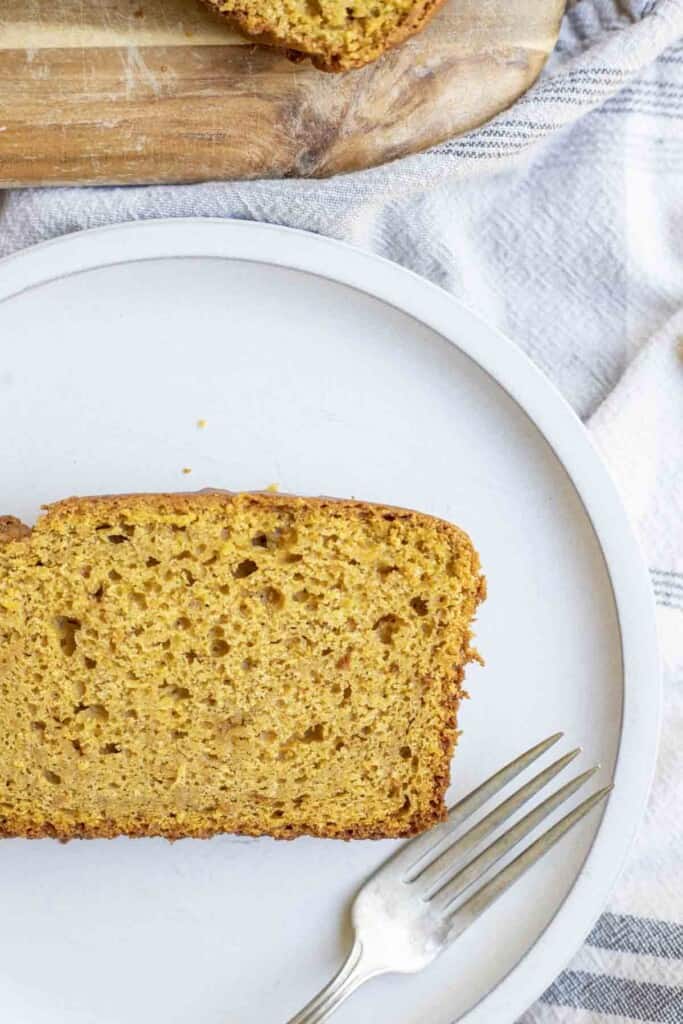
457 884
469 911
455 853
415 851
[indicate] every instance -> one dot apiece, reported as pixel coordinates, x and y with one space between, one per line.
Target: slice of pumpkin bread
336 34
189 664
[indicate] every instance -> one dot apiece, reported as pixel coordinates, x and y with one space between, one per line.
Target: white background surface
322 389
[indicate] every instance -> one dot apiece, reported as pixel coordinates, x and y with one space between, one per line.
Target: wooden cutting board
126 91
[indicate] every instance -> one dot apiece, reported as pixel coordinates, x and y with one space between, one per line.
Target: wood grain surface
126 91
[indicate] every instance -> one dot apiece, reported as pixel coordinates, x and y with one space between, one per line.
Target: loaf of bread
190 664
336 34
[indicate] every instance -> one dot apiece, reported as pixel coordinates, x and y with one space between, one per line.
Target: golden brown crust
181 503
416 825
12 528
414 21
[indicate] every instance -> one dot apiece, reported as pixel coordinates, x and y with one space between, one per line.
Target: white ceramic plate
327 371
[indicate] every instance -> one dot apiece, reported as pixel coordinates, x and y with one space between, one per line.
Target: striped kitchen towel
561 222
631 966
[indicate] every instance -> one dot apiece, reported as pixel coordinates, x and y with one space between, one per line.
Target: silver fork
408 912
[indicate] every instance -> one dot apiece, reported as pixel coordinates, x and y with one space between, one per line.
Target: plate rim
537 397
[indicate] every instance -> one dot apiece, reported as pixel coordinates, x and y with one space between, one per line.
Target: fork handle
352 974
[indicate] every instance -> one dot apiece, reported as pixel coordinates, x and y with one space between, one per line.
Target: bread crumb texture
336 34
184 665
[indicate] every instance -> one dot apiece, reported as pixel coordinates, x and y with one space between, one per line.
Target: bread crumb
201 424
186 470
273 488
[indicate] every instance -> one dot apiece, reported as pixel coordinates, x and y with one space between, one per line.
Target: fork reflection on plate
410 910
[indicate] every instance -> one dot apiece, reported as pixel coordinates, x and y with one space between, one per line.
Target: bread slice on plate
189 664
336 34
